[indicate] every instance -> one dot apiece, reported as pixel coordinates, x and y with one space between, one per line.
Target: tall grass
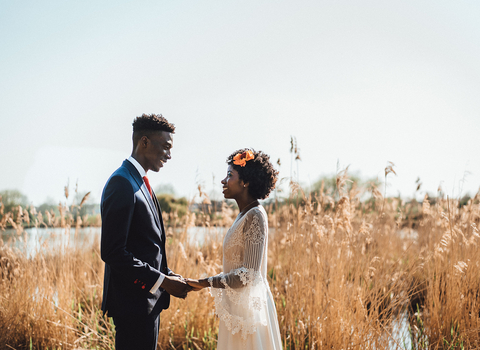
344 274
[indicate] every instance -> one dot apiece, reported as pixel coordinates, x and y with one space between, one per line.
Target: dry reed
344 274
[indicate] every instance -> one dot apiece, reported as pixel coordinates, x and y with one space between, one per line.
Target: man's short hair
152 122
147 124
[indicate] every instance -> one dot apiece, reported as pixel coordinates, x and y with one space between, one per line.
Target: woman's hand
197 284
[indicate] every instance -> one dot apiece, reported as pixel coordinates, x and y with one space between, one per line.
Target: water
49 240
198 234
57 240
400 333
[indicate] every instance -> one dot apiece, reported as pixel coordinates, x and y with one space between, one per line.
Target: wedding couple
138 282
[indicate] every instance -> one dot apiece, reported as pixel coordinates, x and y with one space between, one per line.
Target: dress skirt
265 338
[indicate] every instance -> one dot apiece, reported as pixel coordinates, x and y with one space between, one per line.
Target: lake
58 240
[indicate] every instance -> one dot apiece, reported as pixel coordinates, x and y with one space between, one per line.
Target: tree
328 184
12 199
170 204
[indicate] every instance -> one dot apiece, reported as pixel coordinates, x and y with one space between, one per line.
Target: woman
243 301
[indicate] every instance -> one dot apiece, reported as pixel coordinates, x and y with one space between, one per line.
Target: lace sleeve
254 230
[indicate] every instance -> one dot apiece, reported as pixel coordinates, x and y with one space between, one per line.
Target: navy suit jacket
132 246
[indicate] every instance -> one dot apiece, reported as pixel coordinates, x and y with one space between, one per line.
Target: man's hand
173 274
176 287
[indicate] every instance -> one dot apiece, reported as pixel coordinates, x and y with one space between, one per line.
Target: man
138 282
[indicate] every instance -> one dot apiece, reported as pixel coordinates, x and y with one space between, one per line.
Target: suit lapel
136 176
159 211
164 265
151 204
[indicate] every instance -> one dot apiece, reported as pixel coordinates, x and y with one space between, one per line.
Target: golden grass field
344 274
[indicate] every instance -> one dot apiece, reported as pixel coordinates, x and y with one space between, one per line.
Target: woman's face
233 187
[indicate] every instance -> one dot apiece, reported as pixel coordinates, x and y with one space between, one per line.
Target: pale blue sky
358 82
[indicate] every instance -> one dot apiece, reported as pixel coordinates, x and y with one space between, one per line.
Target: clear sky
360 83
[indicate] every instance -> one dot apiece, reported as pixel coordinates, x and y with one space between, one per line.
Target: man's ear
144 141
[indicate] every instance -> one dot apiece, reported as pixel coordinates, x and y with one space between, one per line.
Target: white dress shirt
143 173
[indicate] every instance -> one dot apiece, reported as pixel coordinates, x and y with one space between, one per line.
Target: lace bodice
240 291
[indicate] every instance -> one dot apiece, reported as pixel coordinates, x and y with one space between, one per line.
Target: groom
138 282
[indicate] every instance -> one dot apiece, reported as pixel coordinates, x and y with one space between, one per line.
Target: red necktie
145 179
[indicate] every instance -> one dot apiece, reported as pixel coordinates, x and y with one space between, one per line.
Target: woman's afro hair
258 172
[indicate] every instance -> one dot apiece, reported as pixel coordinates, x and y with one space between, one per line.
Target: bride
243 300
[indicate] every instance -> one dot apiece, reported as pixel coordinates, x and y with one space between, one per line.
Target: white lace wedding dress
243 300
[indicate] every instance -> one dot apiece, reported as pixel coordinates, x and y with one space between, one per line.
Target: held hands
179 287
176 286
197 284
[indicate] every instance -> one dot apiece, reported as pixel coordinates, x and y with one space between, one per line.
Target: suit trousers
135 332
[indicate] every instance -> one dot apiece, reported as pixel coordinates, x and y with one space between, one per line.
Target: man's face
158 150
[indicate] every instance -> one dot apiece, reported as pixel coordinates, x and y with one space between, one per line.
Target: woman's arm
255 230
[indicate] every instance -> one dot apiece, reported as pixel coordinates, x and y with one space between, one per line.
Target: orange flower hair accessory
242 158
